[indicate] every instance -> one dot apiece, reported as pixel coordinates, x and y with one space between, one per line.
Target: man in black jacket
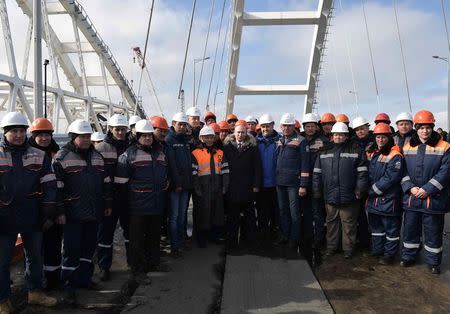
340 176
244 162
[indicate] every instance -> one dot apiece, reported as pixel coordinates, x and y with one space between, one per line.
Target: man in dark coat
244 162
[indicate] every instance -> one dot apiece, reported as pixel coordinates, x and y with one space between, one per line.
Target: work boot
330 252
6 307
70 297
142 279
175 253
348 254
104 275
434 269
386 260
38 297
407 263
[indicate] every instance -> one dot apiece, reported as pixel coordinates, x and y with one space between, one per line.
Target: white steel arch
16 93
320 18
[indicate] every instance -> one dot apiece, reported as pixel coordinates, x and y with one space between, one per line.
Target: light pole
46 62
195 62
221 92
448 89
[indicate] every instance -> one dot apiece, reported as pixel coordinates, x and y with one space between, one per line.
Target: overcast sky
272 55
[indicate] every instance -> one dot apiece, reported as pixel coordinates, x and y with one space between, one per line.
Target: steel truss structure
320 19
16 93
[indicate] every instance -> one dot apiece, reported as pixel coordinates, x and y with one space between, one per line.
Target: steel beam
271 90
280 18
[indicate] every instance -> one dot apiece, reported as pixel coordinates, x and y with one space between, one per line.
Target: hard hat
119 120
41 124
97 136
210 115
310 117
382 128
215 127
424 117
206 130
250 119
266 119
342 118
80 126
359 121
231 116
297 125
159 122
224 127
287 119
404 116
14 118
241 122
180 117
328 118
193 112
133 120
144 126
382 117
339 127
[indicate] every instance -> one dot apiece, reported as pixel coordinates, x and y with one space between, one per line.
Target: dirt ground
361 285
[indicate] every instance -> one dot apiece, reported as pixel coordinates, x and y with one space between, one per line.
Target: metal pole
448 96
37 38
46 62
193 98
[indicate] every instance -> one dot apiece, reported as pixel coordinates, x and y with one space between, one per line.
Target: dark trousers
145 234
52 245
32 242
106 235
319 213
385 234
246 224
433 227
363 231
80 242
268 212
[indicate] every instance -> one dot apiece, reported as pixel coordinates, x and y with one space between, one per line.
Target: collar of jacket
409 134
432 141
386 149
14 148
178 136
51 149
269 139
84 153
119 144
249 140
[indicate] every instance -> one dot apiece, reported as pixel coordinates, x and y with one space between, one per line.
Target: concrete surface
258 284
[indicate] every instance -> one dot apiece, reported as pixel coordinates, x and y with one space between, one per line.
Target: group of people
319 184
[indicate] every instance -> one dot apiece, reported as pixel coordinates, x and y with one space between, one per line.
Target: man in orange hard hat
327 121
210 117
231 120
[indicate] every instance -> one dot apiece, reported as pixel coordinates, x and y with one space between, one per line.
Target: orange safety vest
203 157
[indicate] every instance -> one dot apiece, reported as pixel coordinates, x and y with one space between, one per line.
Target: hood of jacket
249 140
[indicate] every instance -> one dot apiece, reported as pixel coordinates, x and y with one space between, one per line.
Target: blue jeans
32 242
177 216
289 203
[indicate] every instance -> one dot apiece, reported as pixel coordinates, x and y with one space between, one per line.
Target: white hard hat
250 118
134 120
118 120
14 118
310 117
97 137
80 126
359 121
144 126
317 116
193 112
180 117
339 127
404 116
206 130
266 119
288 119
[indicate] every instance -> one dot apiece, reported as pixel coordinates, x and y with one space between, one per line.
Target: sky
271 55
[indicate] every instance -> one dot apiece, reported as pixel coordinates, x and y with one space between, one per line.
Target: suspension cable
215 55
194 2
204 51
394 3
371 54
445 23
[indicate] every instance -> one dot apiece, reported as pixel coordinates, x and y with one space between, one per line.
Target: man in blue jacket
267 202
292 180
180 170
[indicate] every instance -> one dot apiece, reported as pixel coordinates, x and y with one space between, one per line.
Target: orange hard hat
342 118
159 122
382 128
210 115
382 117
41 124
215 127
224 127
424 117
232 117
328 118
241 122
297 124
